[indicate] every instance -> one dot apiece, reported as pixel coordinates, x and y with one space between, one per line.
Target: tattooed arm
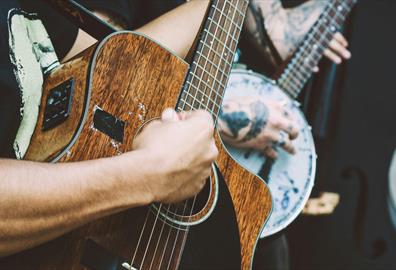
286 27
253 122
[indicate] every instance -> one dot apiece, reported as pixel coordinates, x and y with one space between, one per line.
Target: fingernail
169 114
348 55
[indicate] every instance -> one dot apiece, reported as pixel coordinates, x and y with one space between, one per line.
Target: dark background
352 108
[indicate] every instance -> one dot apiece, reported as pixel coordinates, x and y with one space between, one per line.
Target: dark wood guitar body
132 79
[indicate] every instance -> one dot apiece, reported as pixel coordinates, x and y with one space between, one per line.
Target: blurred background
352 109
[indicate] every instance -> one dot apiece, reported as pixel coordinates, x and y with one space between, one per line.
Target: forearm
40 201
286 27
177 29
269 7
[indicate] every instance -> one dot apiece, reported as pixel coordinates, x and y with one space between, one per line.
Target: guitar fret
231 21
213 78
214 64
219 41
215 52
200 101
207 86
194 100
236 8
233 43
225 31
239 28
210 87
226 57
182 107
209 71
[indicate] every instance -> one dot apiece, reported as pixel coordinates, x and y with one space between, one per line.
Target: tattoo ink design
235 121
239 119
294 23
260 112
296 26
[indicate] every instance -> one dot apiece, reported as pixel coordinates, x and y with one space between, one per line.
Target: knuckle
266 137
205 118
277 124
214 152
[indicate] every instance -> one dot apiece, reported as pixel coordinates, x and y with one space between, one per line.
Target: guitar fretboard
310 51
208 75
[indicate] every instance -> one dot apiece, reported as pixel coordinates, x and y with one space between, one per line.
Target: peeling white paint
32 54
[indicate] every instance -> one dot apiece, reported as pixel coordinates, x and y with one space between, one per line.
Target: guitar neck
307 56
212 61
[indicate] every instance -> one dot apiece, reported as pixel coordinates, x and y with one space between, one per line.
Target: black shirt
134 13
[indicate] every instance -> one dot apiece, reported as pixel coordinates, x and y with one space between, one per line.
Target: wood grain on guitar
120 84
133 79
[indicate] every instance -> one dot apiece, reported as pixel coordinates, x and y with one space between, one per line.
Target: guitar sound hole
180 212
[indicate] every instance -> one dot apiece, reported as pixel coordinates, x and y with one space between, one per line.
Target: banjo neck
299 68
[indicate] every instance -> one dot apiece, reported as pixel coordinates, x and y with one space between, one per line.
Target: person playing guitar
69 195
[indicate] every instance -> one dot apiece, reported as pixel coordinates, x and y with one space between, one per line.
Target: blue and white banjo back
291 177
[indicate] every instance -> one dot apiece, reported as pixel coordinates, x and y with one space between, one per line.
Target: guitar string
159 238
299 74
210 23
207 107
159 209
289 79
144 226
140 238
170 230
167 239
183 215
151 234
293 71
185 204
227 32
220 56
171 227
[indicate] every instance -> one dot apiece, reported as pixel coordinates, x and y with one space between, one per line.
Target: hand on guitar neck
287 27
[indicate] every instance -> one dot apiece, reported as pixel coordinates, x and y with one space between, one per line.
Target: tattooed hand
252 122
287 27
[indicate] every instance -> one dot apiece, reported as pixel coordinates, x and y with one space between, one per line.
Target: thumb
169 115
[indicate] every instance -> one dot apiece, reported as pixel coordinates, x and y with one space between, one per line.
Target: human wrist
133 174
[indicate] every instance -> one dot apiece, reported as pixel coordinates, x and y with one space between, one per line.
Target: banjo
290 178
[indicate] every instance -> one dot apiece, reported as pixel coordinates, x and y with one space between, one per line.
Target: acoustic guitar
94 105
